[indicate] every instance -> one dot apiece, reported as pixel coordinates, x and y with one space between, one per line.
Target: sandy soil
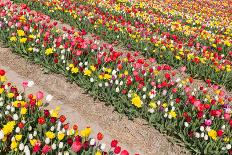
135 136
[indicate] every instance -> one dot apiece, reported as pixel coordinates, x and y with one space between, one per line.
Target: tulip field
167 62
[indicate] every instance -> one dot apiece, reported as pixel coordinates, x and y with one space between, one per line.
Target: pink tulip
25 84
208 122
76 146
227 116
39 95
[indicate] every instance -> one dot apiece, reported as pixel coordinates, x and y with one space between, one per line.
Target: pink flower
46 149
227 116
25 84
208 122
76 146
183 69
39 95
197 103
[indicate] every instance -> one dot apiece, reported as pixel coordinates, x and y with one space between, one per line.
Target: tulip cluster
199 115
169 37
27 127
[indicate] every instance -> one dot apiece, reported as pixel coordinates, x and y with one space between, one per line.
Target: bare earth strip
135 136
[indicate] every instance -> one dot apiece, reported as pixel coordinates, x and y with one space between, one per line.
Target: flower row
158 42
27 127
199 116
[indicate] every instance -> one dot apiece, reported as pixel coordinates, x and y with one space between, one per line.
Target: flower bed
26 126
167 40
200 117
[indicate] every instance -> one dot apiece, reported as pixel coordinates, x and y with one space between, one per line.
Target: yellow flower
10 95
30 49
100 77
74 70
50 134
98 153
23 40
18 137
13 145
86 132
172 114
33 142
87 72
60 136
8 128
165 105
93 68
212 134
2 78
71 65
39 103
1 90
107 76
23 111
126 72
31 36
177 57
137 101
48 51
13 39
153 105
20 33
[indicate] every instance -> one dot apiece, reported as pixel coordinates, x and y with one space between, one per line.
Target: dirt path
135 136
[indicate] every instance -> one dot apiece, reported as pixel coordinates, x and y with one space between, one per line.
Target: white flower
106 84
60 153
21 146
103 146
116 82
19 97
29 128
144 89
121 83
223 127
186 124
17 130
100 84
66 153
61 144
197 135
144 96
34 133
1 103
91 80
206 137
30 83
151 110
129 95
92 141
202 134
208 129
158 102
49 98
166 109
1 134
117 90
26 150
202 128
165 115
52 128
8 107
15 117
47 140
7 112
228 146
12 109
67 68
30 136
1 99
53 146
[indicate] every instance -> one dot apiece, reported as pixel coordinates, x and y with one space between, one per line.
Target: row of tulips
27 127
201 59
215 15
199 116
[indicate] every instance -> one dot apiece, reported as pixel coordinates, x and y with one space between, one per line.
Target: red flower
100 136
46 149
75 127
114 143
2 72
117 149
76 146
220 133
69 141
36 148
41 120
20 125
124 152
62 118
